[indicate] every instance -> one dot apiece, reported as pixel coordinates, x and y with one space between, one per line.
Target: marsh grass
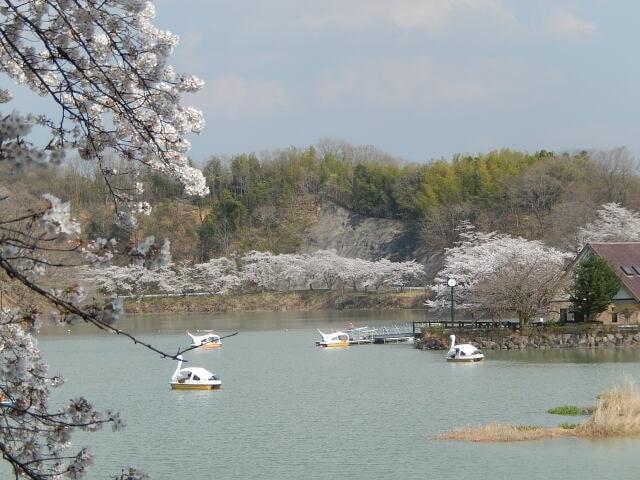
503 432
567 410
616 414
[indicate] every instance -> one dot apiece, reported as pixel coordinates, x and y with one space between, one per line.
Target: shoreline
304 301
573 336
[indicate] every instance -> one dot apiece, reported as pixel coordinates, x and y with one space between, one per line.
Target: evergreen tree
594 286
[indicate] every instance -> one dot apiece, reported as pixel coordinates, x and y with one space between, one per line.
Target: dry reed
617 413
504 432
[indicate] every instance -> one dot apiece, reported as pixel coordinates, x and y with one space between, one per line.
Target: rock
432 343
499 341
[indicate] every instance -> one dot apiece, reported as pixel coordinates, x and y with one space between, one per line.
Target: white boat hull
333 345
471 359
196 386
207 345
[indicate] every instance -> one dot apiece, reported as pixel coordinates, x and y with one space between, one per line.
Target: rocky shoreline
499 340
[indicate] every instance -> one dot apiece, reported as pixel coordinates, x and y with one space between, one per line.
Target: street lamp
452 282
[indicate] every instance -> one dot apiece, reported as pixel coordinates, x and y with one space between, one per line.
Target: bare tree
521 287
617 171
441 228
535 192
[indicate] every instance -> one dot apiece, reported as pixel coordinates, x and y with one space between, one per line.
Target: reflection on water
249 321
569 355
290 410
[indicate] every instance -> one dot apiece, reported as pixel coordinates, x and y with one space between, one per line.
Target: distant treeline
266 202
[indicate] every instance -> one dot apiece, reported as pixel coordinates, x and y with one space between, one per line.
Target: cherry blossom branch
73 309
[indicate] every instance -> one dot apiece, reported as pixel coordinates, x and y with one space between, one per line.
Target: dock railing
418 327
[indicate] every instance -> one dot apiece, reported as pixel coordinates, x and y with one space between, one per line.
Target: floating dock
381 335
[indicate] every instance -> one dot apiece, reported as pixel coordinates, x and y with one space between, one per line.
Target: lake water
291 410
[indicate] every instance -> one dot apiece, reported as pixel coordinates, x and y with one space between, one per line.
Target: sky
420 79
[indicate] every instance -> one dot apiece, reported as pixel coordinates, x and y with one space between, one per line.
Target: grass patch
565 410
568 426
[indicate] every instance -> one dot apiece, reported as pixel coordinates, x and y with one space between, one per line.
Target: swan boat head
463 352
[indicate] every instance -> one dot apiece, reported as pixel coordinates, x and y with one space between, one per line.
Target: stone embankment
307 300
500 340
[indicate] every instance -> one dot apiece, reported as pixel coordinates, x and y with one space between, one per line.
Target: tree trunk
522 320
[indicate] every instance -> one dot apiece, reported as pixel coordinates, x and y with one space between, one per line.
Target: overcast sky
418 78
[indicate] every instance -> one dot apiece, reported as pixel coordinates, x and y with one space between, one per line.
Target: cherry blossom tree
263 270
288 271
353 272
218 275
259 269
497 273
378 273
105 67
403 273
613 223
325 267
132 279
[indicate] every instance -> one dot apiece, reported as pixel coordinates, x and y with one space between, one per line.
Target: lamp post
452 282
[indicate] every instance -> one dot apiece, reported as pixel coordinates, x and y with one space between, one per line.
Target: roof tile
620 254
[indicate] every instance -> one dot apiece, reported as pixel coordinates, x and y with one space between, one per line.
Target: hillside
360 204
353 235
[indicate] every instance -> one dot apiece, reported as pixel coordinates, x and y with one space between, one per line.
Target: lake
291 410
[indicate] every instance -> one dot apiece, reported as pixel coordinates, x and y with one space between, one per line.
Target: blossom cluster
480 256
32 429
261 270
613 223
106 66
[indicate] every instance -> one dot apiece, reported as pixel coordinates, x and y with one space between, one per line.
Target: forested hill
354 199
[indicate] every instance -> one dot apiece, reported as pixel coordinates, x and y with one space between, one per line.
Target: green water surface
291 410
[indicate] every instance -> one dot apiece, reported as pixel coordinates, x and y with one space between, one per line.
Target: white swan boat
194 378
335 339
463 352
208 340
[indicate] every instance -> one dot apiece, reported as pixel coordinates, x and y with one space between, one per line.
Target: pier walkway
512 325
408 332
380 335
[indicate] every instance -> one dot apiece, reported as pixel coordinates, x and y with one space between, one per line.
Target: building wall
628 312
623 312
